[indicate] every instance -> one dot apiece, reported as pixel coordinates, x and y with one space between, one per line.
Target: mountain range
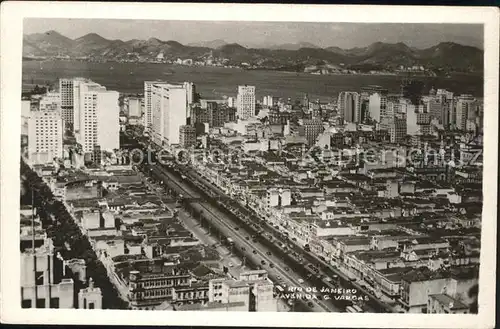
379 55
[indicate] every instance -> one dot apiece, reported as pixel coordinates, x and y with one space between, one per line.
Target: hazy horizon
264 34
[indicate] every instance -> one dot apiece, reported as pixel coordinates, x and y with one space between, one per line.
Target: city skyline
265 34
211 162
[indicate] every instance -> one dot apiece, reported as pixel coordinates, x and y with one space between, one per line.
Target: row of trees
37 90
66 235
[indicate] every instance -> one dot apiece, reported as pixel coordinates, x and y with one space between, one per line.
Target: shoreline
213 81
397 73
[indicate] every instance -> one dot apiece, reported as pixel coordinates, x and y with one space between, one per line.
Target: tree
64 231
473 294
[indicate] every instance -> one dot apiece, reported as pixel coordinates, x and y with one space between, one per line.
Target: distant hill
293 46
50 42
446 55
209 44
92 43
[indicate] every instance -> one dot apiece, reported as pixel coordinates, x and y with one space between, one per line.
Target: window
54 302
26 303
39 278
40 303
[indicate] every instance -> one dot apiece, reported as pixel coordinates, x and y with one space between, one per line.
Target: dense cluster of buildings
82 116
152 258
386 188
383 187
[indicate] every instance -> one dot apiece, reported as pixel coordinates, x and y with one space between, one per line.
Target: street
253 251
234 264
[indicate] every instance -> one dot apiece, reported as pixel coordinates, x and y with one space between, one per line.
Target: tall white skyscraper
66 91
466 107
148 110
377 104
190 92
417 118
349 106
245 102
268 101
45 135
134 106
80 89
67 98
96 113
169 112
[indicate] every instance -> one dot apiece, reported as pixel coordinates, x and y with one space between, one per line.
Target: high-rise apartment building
398 129
169 112
395 125
417 118
189 98
213 113
187 136
148 110
448 95
436 105
67 96
268 101
377 101
391 109
349 106
190 92
96 113
231 102
134 106
466 108
245 102
312 129
376 105
45 135
80 88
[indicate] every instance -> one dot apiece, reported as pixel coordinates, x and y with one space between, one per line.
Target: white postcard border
12 14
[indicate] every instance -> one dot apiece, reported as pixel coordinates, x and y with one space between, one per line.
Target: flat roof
452 303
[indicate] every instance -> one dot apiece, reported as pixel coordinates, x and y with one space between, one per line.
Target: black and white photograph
191 165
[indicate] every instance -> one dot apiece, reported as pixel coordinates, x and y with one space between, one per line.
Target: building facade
96 117
147 290
50 99
134 107
45 135
377 101
253 289
42 282
245 102
349 106
312 129
169 112
465 110
90 297
67 90
187 136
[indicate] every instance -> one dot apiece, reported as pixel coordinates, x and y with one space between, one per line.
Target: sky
344 35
